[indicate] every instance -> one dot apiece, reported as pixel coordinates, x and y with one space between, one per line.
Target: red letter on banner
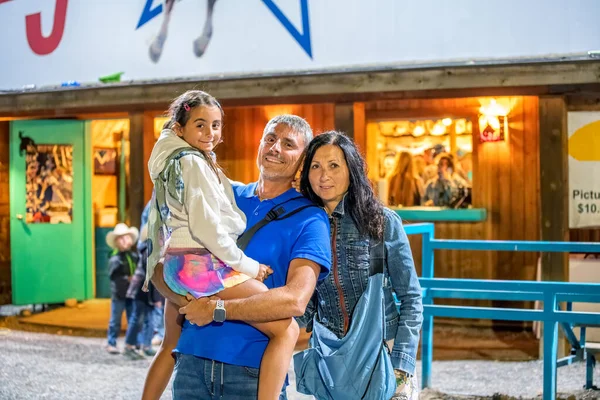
40 44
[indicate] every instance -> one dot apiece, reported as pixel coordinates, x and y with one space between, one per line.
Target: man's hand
200 311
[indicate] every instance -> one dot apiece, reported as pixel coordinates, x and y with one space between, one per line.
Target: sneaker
132 354
149 352
112 349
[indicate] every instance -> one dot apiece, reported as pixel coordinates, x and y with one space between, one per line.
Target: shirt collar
250 192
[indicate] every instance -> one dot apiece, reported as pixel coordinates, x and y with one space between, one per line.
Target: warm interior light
447 121
438 129
492 121
493 108
418 131
460 126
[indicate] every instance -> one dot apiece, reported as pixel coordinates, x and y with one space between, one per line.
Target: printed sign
584 169
71 43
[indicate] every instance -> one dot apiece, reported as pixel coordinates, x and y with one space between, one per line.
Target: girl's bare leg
163 363
282 334
156 47
202 42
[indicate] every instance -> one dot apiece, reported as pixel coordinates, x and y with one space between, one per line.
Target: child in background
140 327
121 267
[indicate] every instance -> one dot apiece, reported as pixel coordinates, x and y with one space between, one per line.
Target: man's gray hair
296 123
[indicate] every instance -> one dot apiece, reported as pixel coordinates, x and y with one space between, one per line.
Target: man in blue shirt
222 359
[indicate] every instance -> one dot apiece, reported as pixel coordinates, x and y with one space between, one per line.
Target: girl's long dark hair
364 207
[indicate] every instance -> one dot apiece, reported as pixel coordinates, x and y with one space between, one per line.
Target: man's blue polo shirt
303 235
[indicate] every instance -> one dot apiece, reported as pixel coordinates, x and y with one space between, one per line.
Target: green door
51 215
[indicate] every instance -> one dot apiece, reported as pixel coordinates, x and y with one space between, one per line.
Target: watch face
219 315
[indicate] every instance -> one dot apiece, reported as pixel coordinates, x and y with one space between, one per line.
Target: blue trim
483 295
303 38
567 289
437 214
550 293
148 13
517 245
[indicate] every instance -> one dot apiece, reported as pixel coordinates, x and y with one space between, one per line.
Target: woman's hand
263 272
405 386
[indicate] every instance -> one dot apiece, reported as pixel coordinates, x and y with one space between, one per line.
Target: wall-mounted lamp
493 122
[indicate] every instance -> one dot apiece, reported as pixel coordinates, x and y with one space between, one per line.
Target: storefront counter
434 214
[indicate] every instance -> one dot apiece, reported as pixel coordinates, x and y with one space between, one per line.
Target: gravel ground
44 366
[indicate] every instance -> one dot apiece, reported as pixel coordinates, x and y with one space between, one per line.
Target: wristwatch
219 313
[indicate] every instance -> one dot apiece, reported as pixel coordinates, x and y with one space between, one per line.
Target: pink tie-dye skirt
198 272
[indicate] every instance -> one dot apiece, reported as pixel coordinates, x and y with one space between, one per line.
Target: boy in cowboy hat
121 267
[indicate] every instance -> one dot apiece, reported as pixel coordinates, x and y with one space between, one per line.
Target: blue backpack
357 366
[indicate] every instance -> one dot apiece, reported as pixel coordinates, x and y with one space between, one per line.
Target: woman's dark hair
180 109
365 209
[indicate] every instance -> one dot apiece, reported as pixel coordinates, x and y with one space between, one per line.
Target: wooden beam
140 96
5 263
554 186
584 102
135 191
554 192
148 145
344 118
360 127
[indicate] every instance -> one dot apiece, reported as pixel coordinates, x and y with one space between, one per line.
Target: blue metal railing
550 293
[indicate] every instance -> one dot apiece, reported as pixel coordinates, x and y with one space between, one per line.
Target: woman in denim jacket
334 176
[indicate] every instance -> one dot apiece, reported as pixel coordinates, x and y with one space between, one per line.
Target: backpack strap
276 213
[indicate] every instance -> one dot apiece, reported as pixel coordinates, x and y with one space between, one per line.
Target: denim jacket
337 295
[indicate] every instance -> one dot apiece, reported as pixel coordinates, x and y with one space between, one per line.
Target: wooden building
519 187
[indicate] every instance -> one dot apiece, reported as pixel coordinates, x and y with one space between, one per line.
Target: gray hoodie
210 217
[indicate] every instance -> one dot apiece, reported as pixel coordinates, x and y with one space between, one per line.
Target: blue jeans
140 324
202 379
117 306
159 321
147 333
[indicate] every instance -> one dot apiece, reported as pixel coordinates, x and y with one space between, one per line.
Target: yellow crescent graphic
584 144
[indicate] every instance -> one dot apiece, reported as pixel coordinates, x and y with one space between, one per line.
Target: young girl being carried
194 223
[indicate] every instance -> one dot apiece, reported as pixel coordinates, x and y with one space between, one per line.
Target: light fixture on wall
493 122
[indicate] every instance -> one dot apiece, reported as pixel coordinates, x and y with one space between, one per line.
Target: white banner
584 169
47 42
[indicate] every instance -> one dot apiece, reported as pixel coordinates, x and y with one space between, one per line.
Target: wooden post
5 264
554 187
344 118
360 127
554 184
148 145
137 168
